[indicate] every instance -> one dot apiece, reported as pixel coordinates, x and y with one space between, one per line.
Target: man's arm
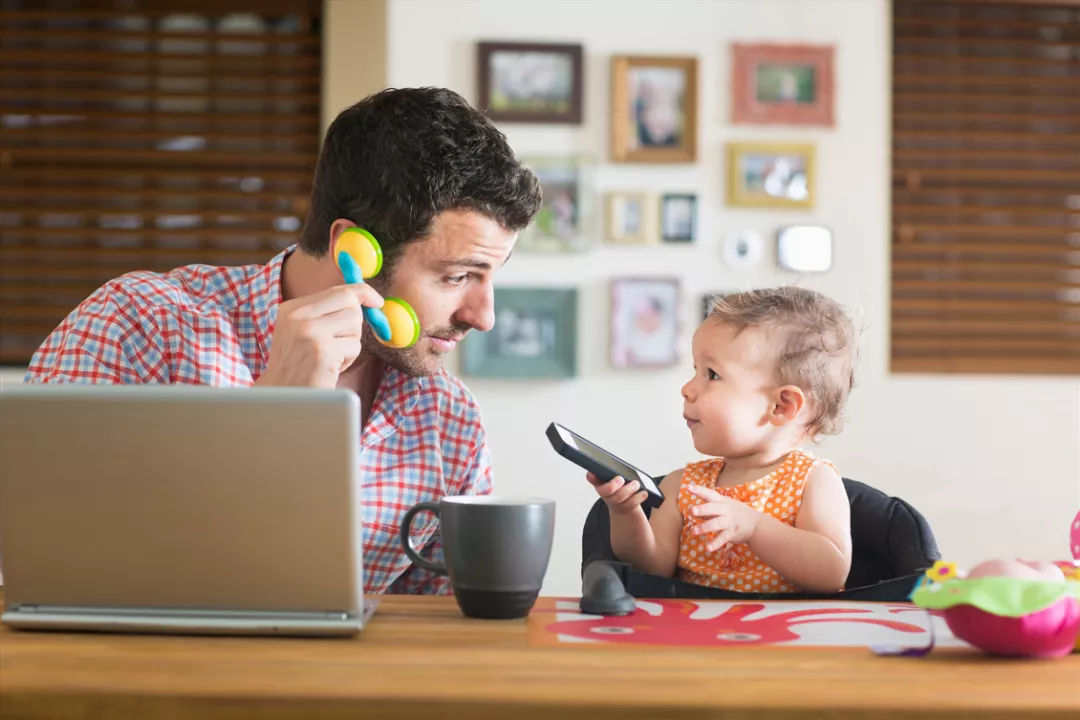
109 338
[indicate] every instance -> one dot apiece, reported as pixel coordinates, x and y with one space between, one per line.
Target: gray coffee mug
496 550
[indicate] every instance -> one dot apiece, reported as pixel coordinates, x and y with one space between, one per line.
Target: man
436 183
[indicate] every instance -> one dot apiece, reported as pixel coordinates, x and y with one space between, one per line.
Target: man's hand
731 520
317 337
620 496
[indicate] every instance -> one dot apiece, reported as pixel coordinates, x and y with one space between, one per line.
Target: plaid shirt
212 326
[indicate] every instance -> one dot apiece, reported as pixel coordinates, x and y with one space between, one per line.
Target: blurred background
927 153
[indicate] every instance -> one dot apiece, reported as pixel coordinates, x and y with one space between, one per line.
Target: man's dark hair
396 159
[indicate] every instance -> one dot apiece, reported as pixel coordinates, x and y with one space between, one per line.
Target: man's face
447 278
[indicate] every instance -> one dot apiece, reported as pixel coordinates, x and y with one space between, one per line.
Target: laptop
181 509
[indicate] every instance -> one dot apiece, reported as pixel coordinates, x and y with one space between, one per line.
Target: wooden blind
986 187
147 139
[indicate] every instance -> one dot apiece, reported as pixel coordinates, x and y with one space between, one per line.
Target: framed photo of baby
645 322
653 109
782 84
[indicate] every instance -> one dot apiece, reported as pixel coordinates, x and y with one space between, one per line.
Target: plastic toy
359 257
1006 607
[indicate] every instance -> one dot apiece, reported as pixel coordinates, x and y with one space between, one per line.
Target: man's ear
336 229
788 402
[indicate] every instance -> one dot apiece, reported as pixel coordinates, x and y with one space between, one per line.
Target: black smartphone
599 461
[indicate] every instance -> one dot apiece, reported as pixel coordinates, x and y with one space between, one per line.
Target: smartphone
599 461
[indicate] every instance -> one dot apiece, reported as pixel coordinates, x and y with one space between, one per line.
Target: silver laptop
181 509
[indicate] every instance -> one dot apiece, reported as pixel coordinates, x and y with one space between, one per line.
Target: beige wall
994 462
354 53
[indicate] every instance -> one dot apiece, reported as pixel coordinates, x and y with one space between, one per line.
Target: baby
772 369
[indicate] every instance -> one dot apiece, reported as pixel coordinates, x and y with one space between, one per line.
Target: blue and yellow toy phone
359 257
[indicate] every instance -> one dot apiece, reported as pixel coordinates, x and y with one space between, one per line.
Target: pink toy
1074 537
1007 607
1049 632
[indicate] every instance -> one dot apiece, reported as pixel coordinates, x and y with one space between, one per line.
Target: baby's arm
650 544
816 553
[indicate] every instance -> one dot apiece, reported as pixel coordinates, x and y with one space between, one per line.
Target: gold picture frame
654 109
771 174
630 218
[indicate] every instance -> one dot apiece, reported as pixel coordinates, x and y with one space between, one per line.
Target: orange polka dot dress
735 567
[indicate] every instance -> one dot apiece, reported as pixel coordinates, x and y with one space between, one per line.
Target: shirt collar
264 289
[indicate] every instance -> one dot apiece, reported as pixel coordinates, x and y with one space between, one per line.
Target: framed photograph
535 336
530 82
782 84
653 109
776 175
630 218
563 221
707 301
678 217
645 322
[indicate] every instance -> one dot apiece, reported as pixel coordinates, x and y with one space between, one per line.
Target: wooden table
419 658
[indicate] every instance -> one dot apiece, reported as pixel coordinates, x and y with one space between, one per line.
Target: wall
994 462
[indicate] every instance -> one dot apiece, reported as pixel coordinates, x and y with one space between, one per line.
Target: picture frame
645 322
654 113
530 82
678 217
564 221
708 299
775 84
630 218
535 336
773 175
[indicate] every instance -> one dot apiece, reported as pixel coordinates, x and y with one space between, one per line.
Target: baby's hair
816 344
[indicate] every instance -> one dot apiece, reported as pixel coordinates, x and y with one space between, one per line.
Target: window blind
986 187
147 139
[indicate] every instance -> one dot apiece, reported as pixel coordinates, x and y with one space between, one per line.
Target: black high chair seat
891 542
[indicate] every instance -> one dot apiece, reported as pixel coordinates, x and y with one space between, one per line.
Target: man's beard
412 361
407 360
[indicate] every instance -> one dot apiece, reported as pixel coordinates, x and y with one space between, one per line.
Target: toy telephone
359 257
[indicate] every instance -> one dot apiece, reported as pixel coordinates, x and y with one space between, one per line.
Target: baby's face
728 402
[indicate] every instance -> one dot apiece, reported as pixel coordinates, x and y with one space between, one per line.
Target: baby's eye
713 375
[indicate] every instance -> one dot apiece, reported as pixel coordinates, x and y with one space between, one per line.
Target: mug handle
406 541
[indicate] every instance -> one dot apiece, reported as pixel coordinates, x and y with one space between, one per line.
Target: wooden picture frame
530 82
782 84
654 113
773 175
535 336
645 322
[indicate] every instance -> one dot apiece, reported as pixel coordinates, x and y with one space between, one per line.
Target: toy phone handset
599 461
359 257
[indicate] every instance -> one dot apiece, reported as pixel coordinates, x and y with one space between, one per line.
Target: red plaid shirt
212 326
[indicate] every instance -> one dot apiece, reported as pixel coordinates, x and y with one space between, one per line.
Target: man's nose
478 310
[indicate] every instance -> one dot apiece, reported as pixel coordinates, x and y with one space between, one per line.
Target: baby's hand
731 520
620 496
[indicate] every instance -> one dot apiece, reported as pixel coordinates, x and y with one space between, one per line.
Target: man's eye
457 279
